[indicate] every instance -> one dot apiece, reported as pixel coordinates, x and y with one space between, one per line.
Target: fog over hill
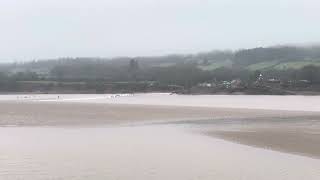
277 57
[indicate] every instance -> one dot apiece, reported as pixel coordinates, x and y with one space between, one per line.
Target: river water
140 153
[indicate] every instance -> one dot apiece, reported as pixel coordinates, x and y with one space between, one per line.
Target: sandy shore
173 139
298 135
52 113
285 139
289 103
282 130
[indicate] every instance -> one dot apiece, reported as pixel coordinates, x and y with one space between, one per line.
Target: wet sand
285 140
29 113
99 138
294 131
297 135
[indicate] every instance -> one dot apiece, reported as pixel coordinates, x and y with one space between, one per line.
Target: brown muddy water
140 153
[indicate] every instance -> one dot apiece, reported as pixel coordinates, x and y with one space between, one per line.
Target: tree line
179 70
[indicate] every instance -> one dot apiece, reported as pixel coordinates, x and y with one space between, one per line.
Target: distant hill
262 58
279 58
289 65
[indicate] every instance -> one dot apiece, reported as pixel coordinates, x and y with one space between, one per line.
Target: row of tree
184 74
179 70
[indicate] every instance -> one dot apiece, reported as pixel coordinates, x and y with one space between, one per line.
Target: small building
207 85
236 83
273 80
226 84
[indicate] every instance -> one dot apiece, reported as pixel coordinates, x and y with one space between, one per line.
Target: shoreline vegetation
38 87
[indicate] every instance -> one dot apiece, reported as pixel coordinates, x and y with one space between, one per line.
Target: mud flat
141 137
288 131
38 113
298 135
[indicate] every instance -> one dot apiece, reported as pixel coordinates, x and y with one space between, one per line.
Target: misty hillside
279 58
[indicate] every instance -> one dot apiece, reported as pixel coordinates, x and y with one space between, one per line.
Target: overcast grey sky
35 29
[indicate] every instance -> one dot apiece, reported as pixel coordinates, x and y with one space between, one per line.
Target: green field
215 65
262 65
295 65
282 66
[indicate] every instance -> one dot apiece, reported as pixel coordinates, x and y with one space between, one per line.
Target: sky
42 29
